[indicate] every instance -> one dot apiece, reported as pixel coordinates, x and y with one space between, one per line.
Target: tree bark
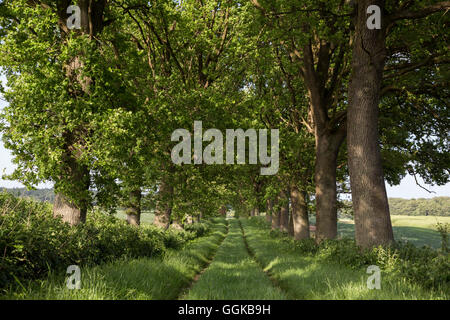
276 213
163 210
68 211
370 204
299 214
134 208
329 135
223 211
72 198
291 225
327 149
284 213
269 211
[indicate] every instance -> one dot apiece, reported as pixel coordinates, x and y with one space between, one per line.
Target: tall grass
311 277
233 274
145 278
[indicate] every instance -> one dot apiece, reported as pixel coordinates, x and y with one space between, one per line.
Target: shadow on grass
418 236
311 277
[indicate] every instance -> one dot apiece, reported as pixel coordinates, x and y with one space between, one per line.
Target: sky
408 189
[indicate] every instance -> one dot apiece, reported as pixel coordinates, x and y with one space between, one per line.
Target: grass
234 274
238 259
147 278
419 230
308 277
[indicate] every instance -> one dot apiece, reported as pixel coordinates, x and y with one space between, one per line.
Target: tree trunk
164 205
327 149
329 135
134 208
68 211
223 211
256 211
76 179
284 214
299 213
276 213
72 202
370 204
291 225
269 211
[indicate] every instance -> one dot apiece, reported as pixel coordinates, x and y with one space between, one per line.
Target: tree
312 44
54 96
370 204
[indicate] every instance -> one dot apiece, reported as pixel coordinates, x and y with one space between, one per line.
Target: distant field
146 216
419 230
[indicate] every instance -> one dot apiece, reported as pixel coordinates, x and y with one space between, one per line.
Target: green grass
234 274
419 230
238 261
308 277
147 278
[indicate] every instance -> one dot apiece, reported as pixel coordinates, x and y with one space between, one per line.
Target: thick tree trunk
329 135
269 211
291 225
134 208
256 211
164 205
68 211
276 213
299 214
284 214
327 149
370 204
73 208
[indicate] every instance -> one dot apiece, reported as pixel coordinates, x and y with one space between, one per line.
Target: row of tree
438 206
93 109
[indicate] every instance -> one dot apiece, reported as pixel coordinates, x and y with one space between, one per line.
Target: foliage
37 194
437 206
32 242
123 279
443 229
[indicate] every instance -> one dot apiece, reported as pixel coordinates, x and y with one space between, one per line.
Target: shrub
32 241
199 229
443 229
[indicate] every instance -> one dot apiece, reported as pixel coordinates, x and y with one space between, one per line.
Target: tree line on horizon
437 206
93 109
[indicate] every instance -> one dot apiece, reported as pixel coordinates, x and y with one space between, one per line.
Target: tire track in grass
260 264
233 274
185 290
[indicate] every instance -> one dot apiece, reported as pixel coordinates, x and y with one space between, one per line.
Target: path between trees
233 273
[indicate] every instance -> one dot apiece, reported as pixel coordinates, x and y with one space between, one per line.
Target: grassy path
309 277
234 274
238 259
